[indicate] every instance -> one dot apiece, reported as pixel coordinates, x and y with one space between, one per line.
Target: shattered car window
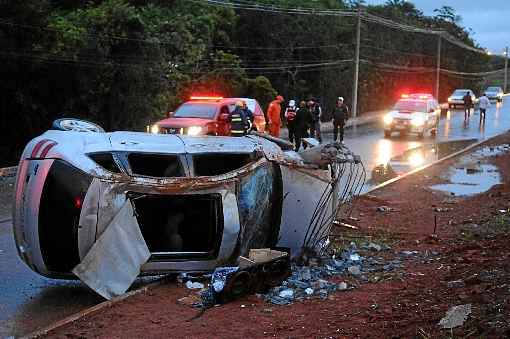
156 165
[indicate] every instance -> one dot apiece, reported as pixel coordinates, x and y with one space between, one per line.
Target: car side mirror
169 114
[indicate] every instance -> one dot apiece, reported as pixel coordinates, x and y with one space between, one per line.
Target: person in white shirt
484 103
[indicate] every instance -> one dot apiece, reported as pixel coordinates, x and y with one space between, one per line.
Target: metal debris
194 285
456 284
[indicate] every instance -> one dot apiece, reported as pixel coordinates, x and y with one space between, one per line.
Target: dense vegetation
124 63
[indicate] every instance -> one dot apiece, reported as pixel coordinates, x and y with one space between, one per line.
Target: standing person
290 115
248 114
340 115
301 124
238 121
468 102
484 104
273 116
316 113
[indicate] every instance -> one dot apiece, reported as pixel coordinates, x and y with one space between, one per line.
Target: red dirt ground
408 303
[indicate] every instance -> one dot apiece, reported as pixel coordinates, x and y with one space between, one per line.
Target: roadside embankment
445 231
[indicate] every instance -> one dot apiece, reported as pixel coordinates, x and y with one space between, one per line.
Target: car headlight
417 121
388 119
450 99
194 130
155 129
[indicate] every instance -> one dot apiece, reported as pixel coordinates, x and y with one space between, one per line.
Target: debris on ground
456 316
194 285
385 209
262 269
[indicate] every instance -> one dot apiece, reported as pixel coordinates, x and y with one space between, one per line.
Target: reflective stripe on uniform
237 132
237 119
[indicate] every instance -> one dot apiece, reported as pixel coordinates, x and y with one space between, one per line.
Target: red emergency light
404 96
205 98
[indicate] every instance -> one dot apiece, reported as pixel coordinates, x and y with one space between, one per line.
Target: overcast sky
489 19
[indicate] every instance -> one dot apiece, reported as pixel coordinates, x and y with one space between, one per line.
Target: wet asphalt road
368 140
29 301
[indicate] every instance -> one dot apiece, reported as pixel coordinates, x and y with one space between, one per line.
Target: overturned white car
130 203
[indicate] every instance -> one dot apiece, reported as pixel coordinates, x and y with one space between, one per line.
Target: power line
367 17
473 73
409 69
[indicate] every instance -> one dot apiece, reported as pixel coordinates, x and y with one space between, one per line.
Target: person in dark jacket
315 113
340 115
239 123
468 103
302 122
248 114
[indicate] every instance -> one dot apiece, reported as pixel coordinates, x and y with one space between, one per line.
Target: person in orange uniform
273 116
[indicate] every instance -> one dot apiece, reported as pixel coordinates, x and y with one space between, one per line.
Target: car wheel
387 134
76 125
433 132
451 106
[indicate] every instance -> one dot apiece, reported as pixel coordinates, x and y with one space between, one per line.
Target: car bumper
406 127
456 102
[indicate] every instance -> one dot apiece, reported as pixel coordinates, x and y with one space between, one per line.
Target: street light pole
356 68
506 70
438 65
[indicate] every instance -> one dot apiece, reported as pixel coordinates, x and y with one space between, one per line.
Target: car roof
428 95
415 99
219 100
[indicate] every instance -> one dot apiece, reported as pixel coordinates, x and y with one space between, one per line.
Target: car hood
183 122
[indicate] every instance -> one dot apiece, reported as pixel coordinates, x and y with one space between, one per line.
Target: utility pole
438 65
356 68
506 70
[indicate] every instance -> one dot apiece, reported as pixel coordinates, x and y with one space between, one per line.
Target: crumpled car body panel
227 195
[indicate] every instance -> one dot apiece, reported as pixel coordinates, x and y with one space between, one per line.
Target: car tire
433 132
387 134
451 106
77 125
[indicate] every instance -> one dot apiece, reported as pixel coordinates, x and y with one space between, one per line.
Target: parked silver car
457 98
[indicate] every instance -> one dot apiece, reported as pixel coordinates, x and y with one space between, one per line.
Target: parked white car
413 114
457 98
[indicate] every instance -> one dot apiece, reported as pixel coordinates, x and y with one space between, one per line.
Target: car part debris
261 270
199 202
456 316
115 259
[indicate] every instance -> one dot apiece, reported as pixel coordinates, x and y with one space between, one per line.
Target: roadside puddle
470 180
414 158
472 174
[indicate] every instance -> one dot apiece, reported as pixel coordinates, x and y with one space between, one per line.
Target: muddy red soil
471 245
